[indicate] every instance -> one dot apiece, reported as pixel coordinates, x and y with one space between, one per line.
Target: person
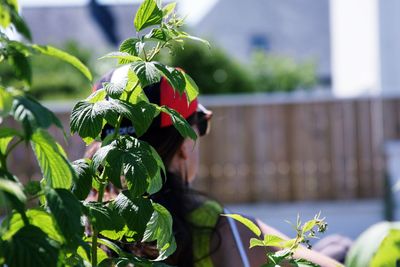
204 238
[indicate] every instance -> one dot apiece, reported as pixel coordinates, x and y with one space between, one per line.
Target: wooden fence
264 148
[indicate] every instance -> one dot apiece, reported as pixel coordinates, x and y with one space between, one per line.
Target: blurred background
305 97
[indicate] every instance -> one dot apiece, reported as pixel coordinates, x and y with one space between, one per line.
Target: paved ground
348 218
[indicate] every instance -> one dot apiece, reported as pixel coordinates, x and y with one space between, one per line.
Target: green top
204 216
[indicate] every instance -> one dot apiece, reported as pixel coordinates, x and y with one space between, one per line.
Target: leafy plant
304 232
276 73
378 246
53 233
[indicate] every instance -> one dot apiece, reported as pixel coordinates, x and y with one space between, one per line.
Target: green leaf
136 212
20 25
22 66
174 76
52 160
4 142
12 188
32 188
6 132
180 123
54 52
122 56
119 235
156 183
33 115
83 182
368 243
308 226
67 212
185 35
388 253
143 114
254 242
5 17
136 159
130 46
87 117
37 217
6 101
160 228
158 34
103 217
30 246
168 9
274 241
192 91
149 14
114 90
246 222
146 72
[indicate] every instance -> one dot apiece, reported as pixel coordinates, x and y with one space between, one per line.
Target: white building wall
355 47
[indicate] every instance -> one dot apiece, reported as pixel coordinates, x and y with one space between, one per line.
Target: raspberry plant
52 233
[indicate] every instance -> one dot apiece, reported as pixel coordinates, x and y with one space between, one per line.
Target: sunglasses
203 120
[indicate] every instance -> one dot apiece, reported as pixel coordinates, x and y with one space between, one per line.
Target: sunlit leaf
146 72
274 241
160 228
12 188
122 56
54 52
37 217
149 14
254 242
114 90
168 9
52 160
191 89
388 253
246 222
6 101
130 46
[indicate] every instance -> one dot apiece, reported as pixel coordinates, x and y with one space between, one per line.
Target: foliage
217 73
53 234
65 82
214 71
378 246
304 232
274 73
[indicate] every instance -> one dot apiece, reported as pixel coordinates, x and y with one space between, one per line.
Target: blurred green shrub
277 73
52 78
214 71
